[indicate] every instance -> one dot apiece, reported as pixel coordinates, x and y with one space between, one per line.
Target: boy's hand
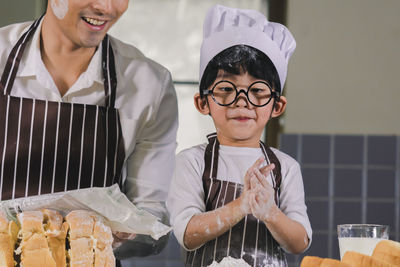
253 173
262 195
245 197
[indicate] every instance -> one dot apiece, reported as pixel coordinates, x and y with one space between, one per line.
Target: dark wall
347 179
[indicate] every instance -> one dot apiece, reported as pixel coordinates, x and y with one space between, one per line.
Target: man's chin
92 41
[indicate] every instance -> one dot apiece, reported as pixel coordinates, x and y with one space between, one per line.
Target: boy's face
241 123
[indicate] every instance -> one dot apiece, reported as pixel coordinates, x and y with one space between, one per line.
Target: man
81 109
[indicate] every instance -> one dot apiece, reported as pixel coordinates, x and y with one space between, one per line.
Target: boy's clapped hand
258 194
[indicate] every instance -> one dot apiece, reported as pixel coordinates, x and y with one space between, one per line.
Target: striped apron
48 147
249 239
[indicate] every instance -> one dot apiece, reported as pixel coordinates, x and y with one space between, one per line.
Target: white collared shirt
145 98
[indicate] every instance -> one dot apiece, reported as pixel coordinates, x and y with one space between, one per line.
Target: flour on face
60 8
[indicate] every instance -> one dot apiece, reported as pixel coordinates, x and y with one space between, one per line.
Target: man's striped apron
47 146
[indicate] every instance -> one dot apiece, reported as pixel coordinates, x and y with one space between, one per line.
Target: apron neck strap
12 64
270 157
211 157
15 56
109 74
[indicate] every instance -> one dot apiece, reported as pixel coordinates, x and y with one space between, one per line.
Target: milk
364 245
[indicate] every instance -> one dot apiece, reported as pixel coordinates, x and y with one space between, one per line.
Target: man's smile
97 23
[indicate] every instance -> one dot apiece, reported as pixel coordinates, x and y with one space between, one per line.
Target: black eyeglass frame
274 94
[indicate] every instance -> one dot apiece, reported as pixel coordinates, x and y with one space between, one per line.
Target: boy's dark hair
238 58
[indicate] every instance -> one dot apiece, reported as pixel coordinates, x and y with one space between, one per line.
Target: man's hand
120 238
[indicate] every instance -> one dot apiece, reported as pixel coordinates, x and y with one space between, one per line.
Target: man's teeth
94 22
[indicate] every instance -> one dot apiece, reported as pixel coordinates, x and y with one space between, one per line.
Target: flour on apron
230 262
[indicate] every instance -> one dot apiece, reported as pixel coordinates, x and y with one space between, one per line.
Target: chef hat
225 27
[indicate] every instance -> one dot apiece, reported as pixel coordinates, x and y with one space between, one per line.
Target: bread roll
311 261
34 247
31 222
104 255
334 263
56 233
388 251
8 237
356 259
81 225
43 240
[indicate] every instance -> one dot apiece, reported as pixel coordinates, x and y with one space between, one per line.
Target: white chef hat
225 27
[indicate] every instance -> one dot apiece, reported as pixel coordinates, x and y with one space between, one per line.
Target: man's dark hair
241 58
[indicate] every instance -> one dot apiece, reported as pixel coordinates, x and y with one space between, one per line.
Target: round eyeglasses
225 93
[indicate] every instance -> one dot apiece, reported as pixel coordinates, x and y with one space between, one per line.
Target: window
170 32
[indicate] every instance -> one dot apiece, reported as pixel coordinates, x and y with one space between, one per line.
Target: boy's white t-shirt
186 194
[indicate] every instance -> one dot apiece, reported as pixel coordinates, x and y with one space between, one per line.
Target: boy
235 197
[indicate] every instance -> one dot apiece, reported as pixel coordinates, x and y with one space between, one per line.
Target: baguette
8 238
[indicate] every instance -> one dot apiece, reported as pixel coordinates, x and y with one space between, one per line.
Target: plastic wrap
109 202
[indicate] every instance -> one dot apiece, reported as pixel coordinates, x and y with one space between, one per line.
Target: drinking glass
361 238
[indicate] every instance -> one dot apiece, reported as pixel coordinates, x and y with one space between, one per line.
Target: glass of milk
361 238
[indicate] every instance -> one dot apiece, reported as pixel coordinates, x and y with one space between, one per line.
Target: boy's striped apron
249 239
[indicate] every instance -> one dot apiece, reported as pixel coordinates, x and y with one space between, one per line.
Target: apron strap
277 174
14 58
109 74
211 157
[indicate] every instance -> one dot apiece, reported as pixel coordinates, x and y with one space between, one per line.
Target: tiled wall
347 179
